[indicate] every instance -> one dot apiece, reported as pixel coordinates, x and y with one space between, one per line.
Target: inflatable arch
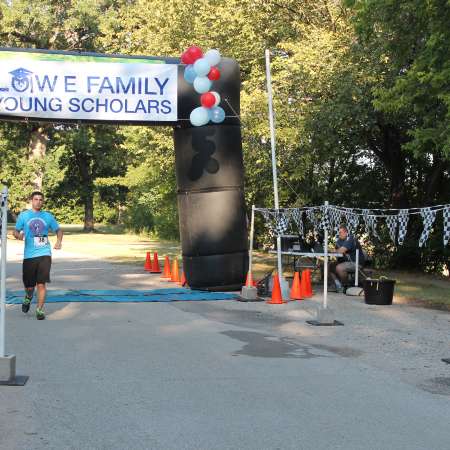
54 86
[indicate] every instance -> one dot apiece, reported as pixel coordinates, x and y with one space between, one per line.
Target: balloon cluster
201 71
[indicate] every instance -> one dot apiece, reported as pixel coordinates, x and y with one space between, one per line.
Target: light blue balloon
202 67
217 114
199 116
213 57
202 84
189 74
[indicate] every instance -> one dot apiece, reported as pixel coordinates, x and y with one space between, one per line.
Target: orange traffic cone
276 292
249 280
148 263
175 273
309 290
306 289
183 279
296 293
167 274
155 266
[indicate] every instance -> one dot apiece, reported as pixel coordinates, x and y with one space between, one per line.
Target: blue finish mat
123 296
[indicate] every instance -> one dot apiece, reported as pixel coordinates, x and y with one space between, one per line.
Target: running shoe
26 304
40 315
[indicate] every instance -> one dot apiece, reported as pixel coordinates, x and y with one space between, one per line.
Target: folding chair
263 285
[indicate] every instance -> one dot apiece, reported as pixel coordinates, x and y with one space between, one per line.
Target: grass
117 246
421 289
114 244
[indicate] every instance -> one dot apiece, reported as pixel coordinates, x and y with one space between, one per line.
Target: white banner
62 86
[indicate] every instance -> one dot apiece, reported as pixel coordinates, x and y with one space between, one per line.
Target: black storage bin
378 292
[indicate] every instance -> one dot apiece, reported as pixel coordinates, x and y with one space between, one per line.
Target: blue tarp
123 296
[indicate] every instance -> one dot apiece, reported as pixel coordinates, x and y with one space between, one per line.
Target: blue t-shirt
351 244
35 225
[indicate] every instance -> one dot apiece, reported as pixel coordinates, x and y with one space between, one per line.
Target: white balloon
213 57
217 96
202 85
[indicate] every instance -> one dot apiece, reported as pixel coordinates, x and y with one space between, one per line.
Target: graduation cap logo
21 79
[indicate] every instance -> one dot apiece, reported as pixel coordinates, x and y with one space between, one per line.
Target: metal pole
4 231
325 263
274 160
356 267
250 252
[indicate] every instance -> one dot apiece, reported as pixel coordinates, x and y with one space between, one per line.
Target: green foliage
151 201
15 167
361 97
50 24
413 38
66 209
80 155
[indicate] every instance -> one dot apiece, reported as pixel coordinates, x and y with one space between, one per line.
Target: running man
34 225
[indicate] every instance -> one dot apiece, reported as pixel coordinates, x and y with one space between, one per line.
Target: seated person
346 244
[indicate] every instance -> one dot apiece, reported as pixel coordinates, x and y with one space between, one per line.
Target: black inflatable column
210 178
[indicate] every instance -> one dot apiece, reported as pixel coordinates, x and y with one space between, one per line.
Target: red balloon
214 74
207 100
195 53
186 58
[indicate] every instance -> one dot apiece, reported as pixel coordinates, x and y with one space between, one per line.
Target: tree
53 25
412 38
15 168
86 152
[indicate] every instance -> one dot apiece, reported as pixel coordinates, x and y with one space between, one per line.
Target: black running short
36 270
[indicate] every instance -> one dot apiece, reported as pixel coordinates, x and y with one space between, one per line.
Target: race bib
40 241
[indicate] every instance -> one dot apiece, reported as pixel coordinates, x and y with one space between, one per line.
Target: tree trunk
434 178
396 169
89 212
37 150
83 162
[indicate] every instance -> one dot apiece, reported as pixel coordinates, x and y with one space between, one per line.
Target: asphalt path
220 375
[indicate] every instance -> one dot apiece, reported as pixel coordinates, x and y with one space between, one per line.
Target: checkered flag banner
296 215
280 222
352 222
392 222
366 221
347 216
373 225
446 218
370 222
428 217
288 216
335 219
311 215
331 217
325 220
267 220
403 218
